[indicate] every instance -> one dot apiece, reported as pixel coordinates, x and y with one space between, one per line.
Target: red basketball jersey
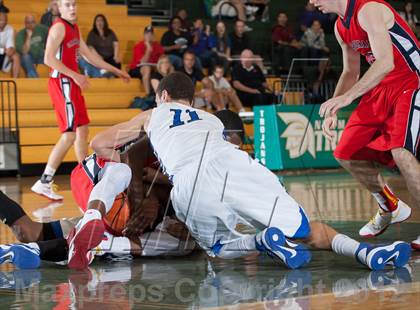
405 44
68 52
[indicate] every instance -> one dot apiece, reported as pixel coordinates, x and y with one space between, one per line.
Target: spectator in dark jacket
52 13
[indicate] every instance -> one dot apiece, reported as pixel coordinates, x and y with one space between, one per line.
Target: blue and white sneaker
396 254
22 256
273 242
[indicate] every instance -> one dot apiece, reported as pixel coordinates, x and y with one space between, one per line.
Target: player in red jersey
385 127
64 46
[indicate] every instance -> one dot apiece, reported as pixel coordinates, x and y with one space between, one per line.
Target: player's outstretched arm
54 40
105 142
375 19
97 61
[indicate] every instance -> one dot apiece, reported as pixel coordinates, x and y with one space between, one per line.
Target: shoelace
54 187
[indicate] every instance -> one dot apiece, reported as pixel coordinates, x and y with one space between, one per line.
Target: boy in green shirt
30 44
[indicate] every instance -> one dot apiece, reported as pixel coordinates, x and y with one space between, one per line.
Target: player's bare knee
321 236
68 138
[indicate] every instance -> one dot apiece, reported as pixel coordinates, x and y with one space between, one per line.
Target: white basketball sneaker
416 244
380 222
48 190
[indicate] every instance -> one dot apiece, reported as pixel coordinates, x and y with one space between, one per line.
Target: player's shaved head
178 86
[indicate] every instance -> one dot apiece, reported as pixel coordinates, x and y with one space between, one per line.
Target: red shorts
69 104
82 180
386 118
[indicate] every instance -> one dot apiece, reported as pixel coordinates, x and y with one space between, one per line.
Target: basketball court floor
195 281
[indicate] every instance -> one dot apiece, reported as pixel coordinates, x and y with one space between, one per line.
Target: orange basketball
117 217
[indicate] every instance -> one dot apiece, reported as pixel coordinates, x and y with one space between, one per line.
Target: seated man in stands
240 41
51 15
206 96
30 44
146 54
285 45
175 42
9 59
250 82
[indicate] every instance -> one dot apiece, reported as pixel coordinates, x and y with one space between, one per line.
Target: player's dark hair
178 85
232 122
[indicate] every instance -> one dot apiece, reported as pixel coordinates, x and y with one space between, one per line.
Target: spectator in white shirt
224 90
9 58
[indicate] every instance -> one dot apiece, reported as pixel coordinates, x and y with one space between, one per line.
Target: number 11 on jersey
177 117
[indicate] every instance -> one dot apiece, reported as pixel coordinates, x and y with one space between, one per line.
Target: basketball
117 217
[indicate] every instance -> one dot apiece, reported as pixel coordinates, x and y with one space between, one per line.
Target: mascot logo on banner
299 134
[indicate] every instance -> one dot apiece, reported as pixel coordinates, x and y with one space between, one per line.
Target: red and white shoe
380 222
416 244
87 235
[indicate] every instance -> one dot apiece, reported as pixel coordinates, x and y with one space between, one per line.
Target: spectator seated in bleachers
410 17
30 44
250 83
285 45
310 14
3 8
220 44
240 41
146 54
9 58
201 45
103 41
314 47
231 8
206 96
186 25
163 68
175 42
224 90
51 15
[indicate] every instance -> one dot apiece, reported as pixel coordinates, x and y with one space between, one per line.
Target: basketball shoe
273 242
48 190
23 256
87 235
377 257
380 222
416 244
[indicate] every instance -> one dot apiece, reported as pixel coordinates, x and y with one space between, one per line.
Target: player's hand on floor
329 124
143 218
82 81
178 230
332 106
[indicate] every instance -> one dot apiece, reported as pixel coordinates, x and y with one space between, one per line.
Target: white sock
238 248
48 174
115 179
344 245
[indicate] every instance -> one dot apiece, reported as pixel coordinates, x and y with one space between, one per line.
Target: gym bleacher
108 100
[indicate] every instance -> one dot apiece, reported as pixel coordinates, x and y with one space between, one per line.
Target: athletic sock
48 174
238 248
52 250
344 245
386 199
10 211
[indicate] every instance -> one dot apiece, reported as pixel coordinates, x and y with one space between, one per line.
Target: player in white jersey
217 186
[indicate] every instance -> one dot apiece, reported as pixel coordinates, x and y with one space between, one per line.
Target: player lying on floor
46 241
216 186
147 234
